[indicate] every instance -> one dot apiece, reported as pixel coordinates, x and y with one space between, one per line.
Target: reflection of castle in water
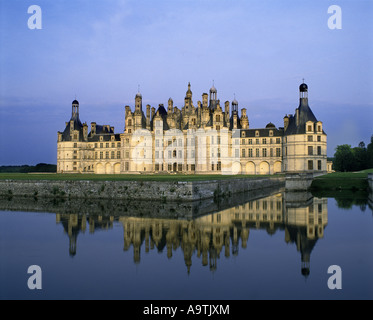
210 236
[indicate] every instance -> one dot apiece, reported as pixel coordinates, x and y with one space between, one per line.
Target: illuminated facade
202 139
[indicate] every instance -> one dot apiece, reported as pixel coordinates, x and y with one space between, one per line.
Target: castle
202 139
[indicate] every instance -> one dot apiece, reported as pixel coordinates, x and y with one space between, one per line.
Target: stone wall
298 181
139 190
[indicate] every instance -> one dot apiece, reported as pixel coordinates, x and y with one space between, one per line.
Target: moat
266 245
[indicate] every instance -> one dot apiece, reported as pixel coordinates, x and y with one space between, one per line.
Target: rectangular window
237 153
127 166
271 152
310 150
250 141
319 165
257 141
310 165
107 155
257 153
112 154
101 155
278 152
219 166
212 167
101 145
107 144
310 138
264 152
118 154
319 151
278 140
113 144
250 153
309 128
243 153
264 141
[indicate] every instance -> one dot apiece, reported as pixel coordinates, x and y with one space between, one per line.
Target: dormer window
257 133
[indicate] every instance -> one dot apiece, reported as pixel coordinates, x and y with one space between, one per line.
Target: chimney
148 116
153 112
286 122
93 128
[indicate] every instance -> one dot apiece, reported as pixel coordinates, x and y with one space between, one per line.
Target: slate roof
76 125
305 114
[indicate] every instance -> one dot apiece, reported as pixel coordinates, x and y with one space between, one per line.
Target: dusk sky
100 51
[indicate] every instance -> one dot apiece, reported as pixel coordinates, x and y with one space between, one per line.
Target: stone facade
202 139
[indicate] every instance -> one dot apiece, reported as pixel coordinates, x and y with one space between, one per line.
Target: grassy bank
123 177
342 181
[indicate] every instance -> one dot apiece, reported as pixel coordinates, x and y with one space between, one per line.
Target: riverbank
352 181
165 188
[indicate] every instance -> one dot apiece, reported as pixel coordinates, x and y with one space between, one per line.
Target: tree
344 158
370 153
360 155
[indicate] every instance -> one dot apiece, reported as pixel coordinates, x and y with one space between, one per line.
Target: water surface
276 247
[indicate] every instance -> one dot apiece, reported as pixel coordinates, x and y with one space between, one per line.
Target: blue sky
259 50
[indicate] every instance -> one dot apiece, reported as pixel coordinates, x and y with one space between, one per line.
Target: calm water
277 247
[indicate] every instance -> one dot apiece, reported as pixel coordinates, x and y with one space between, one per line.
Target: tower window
319 165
